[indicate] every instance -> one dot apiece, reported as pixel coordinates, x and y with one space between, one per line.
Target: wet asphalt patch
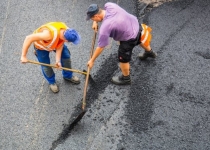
96 85
141 97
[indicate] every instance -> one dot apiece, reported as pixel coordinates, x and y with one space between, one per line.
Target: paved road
166 107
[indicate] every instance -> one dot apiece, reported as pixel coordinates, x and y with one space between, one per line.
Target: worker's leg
43 57
124 57
148 52
145 40
125 68
66 62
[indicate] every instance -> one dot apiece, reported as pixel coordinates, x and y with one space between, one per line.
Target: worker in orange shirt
51 37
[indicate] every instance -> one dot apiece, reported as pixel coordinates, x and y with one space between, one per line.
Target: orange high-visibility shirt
55 42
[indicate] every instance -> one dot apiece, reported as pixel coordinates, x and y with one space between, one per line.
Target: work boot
54 88
121 80
74 80
146 54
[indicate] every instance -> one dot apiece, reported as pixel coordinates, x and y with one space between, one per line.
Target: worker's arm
95 55
58 56
44 35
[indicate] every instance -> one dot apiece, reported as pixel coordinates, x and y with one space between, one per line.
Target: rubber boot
147 54
121 80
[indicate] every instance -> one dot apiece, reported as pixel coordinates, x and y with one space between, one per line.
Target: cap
72 36
92 10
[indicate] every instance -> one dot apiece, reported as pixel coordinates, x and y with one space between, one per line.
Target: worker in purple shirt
123 27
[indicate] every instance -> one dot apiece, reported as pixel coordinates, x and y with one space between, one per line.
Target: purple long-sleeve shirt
118 24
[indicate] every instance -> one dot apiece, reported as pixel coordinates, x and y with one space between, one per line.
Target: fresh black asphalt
165 107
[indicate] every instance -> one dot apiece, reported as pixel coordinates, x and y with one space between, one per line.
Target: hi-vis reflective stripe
39 45
146 35
52 42
54 37
42 47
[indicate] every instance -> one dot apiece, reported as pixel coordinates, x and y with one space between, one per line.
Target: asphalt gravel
165 107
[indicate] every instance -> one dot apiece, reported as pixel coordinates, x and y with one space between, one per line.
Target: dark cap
92 10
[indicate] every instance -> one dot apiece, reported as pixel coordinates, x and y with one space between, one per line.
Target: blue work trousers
43 57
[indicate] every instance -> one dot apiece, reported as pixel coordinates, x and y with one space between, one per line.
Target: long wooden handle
88 72
49 65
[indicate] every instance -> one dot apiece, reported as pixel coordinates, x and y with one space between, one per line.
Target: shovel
85 88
